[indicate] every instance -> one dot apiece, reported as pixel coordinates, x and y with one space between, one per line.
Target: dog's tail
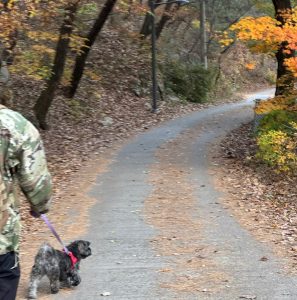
45 252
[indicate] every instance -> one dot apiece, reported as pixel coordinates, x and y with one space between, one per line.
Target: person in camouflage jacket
22 162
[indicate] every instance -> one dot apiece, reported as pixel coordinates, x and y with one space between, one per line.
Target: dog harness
74 260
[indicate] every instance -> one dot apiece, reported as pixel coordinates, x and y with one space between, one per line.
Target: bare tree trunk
285 78
146 29
167 15
203 36
81 58
7 53
46 97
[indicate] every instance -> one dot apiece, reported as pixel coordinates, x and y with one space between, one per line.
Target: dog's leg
36 275
64 280
54 281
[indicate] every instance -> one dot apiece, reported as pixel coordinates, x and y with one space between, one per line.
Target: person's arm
34 178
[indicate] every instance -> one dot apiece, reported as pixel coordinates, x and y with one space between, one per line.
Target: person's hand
34 214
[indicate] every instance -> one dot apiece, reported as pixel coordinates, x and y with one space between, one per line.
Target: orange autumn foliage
265 34
276 103
250 66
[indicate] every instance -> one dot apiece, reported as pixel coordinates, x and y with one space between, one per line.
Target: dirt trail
208 254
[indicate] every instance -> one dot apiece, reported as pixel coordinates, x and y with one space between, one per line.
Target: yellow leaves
15 17
35 49
43 49
226 40
264 30
10 4
32 63
42 36
261 29
92 75
291 63
8 23
196 24
277 135
76 42
278 148
294 125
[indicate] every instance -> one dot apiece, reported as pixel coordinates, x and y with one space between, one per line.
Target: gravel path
184 246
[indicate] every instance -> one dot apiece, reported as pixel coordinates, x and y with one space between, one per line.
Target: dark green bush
188 81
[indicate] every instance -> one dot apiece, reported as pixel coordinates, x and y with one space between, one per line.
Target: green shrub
278 120
188 81
88 9
278 149
277 140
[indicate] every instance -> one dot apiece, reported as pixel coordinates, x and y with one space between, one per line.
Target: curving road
130 259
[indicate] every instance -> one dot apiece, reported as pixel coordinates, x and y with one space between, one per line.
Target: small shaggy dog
58 266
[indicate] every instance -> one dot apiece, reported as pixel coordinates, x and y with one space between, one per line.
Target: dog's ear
74 248
85 243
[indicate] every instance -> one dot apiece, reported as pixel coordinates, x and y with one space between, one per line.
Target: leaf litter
263 200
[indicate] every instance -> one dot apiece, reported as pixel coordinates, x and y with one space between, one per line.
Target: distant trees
46 40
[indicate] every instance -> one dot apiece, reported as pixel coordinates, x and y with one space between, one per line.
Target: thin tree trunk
285 78
167 15
7 53
47 95
81 58
146 28
203 36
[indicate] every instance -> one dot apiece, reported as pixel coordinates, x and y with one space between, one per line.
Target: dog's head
80 249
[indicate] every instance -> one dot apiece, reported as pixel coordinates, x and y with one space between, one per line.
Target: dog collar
73 259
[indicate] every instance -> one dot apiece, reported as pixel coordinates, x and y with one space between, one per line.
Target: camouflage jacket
22 161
